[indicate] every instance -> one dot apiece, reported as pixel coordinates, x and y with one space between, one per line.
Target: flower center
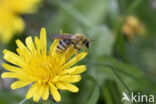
45 68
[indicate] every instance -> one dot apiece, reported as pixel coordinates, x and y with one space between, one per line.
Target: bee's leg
67 51
76 52
84 49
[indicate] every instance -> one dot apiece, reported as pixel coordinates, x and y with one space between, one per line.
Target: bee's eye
86 43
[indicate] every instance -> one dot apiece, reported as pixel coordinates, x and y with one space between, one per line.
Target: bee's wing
68 36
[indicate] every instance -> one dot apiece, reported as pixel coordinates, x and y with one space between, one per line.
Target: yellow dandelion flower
10 22
132 27
47 73
9 25
20 6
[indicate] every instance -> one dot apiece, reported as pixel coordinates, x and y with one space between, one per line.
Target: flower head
10 21
132 27
47 73
19 6
9 25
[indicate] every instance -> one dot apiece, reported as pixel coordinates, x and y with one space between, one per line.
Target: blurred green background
133 61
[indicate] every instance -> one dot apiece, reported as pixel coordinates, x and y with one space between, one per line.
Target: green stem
22 101
115 71
120 79
120 49
116 74
133 6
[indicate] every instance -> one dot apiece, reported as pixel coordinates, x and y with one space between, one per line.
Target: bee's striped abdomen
63 44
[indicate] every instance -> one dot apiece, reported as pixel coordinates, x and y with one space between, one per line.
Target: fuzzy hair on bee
78 41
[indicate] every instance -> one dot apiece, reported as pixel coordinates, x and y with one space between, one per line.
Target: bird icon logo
125 97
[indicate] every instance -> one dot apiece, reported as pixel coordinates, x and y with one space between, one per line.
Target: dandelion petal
75 70
45 92
70 78
75 60
9 75
19 84
13 58
31 91
55 93
43 39
38 93
10 67
70 87
30 45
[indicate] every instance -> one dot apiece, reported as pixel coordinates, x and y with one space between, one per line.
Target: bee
78 41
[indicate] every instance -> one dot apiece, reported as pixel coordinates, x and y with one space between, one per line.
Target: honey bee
78 41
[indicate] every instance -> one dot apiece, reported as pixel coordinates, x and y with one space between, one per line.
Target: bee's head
86 43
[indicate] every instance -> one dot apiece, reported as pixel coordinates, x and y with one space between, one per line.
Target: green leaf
110 92
94 96
94 10
131 76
